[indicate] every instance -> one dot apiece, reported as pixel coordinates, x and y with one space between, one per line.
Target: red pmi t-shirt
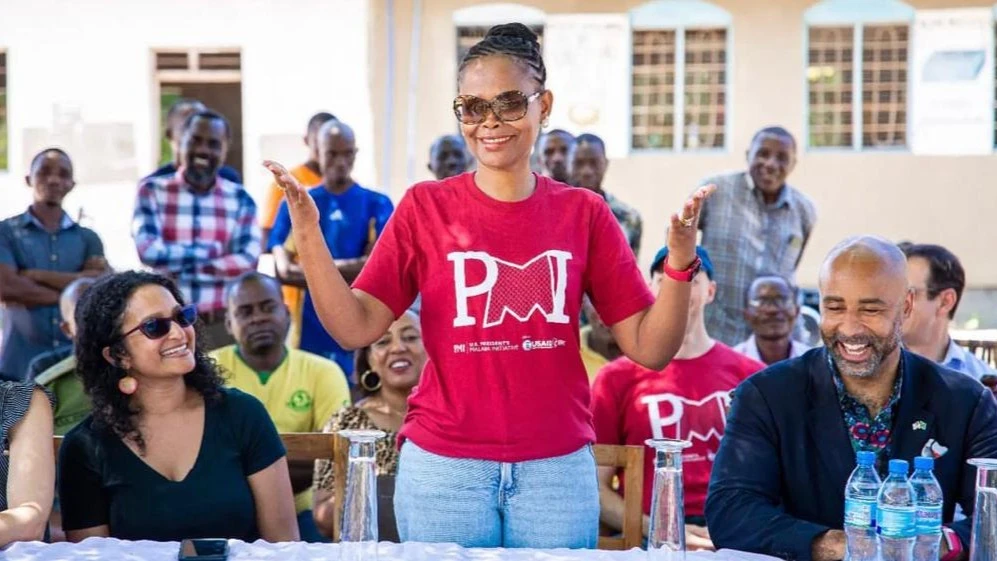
501 287
688 400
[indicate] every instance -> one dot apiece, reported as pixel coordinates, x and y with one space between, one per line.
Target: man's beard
880 349
201 177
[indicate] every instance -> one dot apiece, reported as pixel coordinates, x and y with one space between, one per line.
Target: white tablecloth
106 548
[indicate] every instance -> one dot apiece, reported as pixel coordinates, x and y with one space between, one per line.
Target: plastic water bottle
895 515
928 503
861 493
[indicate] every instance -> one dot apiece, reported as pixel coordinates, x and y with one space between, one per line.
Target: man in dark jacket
789 446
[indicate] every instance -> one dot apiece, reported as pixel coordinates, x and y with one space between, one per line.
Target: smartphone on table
203 550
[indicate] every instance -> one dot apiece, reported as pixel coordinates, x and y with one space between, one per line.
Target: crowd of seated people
533 340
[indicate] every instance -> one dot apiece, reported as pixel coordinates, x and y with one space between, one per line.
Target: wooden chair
311 446
631 459
308 446
340 461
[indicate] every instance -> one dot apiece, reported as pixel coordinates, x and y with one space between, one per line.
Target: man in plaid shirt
754 224
197 227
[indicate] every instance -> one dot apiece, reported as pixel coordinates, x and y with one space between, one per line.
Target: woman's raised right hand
299 203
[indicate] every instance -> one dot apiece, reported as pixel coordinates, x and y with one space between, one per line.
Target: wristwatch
686 275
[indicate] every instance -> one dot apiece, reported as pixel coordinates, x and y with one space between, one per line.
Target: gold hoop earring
370 381
127 385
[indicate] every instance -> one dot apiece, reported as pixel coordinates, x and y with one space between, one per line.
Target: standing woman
497 437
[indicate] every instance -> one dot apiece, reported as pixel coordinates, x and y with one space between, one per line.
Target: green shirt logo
300 401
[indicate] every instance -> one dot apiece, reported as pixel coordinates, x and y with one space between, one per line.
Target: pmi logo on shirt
695 420
512 289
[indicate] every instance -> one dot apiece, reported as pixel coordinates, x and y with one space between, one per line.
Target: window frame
856 14
4 171
193 73
681 16
493 13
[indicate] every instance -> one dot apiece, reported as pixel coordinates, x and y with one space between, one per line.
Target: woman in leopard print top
388 371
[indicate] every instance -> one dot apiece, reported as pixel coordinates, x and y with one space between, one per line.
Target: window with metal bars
3 111
679 82
870 113
468 35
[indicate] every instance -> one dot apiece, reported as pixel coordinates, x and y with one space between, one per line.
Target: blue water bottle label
929 520
896 522
860 513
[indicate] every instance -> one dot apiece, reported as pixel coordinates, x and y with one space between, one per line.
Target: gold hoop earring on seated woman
370 381
127 385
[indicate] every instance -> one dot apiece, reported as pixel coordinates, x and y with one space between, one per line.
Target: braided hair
513 40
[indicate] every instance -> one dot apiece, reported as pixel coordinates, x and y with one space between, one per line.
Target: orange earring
127 385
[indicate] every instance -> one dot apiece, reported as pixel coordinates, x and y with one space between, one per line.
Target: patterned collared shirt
201 240
629 220
747 237
961 360
865 432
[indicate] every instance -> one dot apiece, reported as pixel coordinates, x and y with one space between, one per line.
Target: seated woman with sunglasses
167 453
502 259
388 371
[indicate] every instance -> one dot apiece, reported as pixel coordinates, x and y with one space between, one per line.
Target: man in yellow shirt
301 391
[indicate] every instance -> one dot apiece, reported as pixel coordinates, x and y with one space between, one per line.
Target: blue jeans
548 503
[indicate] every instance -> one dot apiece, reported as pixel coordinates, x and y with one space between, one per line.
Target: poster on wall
588 70
952 82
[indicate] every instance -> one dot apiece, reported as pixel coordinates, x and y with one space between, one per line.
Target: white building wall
90 62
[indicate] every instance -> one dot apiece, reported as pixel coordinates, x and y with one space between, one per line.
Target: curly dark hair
513 40
98 319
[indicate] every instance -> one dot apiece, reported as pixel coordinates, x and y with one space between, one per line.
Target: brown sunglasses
506 106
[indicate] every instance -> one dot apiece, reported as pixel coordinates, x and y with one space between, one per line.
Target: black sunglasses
157 328
507 106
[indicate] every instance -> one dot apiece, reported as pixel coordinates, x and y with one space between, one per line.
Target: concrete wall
89 63
946 200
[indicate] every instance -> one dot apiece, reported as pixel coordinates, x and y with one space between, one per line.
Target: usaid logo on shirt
539 344
516 290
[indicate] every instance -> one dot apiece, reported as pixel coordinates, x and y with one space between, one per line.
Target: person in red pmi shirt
497 439
688 400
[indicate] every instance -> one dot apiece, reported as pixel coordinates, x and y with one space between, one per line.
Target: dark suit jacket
779 477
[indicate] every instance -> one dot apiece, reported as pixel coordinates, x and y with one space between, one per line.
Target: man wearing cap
686 401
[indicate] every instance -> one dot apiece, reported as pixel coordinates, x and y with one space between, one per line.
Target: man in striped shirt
197 227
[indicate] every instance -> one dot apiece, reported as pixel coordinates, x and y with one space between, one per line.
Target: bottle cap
898 467
924 462
865 458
